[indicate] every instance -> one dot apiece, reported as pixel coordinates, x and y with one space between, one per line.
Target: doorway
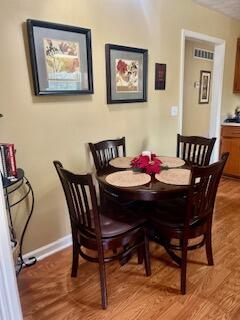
210 117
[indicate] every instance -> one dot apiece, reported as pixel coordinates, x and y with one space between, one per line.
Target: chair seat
116 220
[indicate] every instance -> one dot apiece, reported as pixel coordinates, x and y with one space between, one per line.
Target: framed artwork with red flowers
126 71
61 58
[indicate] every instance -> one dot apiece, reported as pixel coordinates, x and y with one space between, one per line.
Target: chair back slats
80 205
183 149
106 150
77 207
87 210
195 150
105 155
81 200
203 190
198 155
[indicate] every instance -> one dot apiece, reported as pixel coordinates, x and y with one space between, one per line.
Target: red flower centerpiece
148 163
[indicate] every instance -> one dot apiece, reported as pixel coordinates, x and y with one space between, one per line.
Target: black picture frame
160 76
204 88
61 58
126 74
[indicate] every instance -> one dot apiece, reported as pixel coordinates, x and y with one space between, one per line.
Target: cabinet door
232 146
236 85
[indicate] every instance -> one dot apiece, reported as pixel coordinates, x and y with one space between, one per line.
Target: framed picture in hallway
126 71
61 58
204 89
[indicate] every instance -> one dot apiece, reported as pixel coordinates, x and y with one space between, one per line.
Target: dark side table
10 186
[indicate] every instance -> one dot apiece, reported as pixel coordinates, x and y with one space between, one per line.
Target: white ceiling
228 7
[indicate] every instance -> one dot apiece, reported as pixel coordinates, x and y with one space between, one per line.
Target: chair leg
123 260
147 255
102 197
184 266
140 254
102 273
209 246
75 258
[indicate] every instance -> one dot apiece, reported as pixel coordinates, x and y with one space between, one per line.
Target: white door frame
217 83
10 307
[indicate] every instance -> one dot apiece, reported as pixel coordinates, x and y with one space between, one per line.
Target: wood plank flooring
48 292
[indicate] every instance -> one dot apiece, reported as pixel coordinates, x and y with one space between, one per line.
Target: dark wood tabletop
152 191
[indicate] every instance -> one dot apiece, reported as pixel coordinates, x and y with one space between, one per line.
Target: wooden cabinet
236 85
230 142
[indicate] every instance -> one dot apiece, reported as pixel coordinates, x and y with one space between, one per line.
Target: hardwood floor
48 292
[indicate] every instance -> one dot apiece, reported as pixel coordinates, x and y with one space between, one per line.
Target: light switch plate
174 111
196 84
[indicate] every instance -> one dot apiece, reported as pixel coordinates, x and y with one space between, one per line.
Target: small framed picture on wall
204 89
160 76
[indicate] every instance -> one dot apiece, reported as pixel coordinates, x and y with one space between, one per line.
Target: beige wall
48 128
196 116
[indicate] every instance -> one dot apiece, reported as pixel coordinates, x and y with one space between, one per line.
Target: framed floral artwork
204 89
61 58
126 70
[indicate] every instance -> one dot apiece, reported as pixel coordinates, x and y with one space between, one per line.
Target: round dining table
152 191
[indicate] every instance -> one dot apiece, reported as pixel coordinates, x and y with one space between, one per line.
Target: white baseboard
50 248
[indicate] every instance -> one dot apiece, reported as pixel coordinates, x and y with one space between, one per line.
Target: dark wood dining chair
195 150
106 150
190 217
102 153
100 229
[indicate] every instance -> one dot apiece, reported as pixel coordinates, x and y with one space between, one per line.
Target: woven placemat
171 162
127 178
121 162
179 177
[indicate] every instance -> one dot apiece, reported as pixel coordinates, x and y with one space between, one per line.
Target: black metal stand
11 186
